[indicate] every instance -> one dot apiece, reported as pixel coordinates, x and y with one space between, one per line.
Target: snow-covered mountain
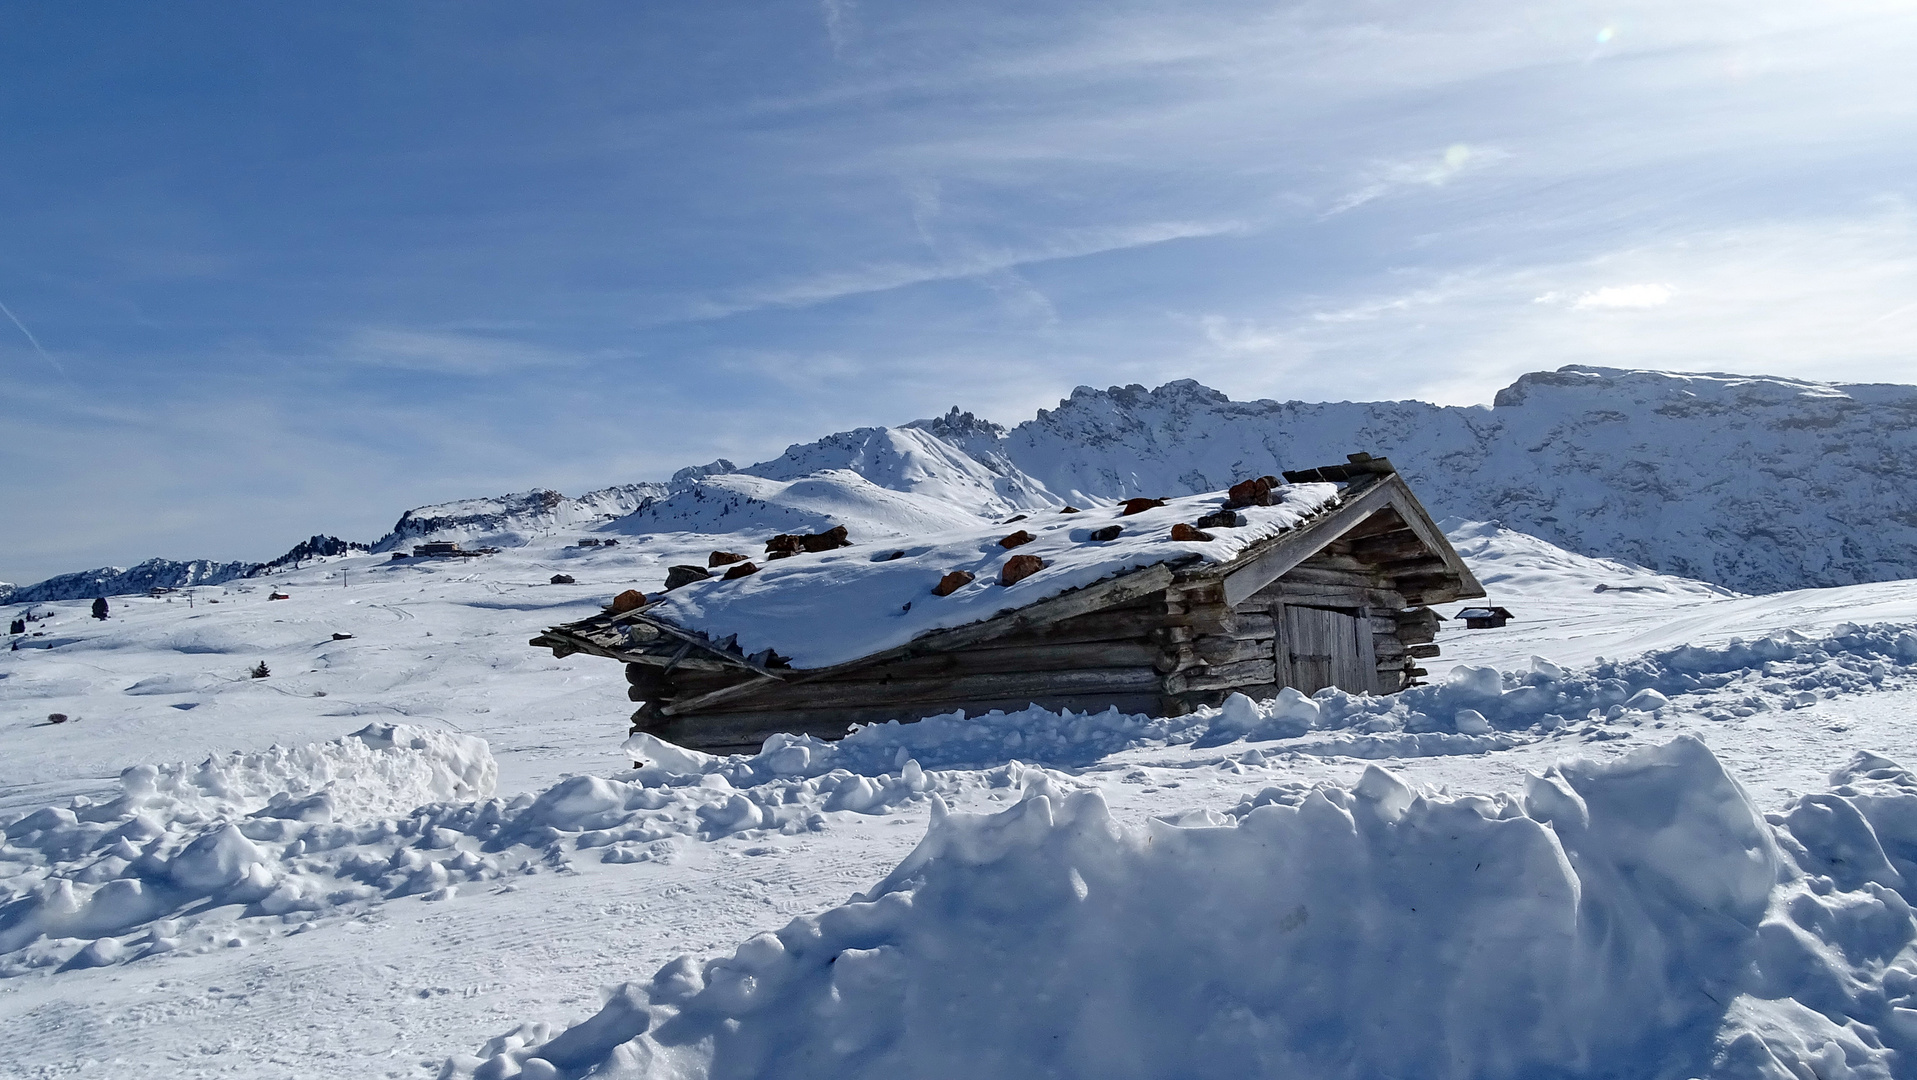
510 519
119 581
1754 483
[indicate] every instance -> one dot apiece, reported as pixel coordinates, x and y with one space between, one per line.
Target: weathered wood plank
1300 543
1035 685
1230 650
1227 676
1048 656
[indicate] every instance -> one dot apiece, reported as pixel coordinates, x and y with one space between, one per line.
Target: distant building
1484 618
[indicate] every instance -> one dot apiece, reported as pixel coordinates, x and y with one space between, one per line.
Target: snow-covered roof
828 608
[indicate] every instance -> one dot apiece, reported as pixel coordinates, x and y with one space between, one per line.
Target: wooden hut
1484 618
1324 580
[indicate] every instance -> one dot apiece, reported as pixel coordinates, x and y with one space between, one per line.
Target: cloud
1430 170
1624 296
448 353
1818 299
986 262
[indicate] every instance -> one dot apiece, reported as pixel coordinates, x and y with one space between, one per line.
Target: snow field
254 845
1638 917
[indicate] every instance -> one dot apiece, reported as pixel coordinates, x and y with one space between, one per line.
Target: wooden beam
1299 544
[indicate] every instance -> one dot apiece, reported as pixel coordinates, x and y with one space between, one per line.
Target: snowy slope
287 913
510 520
814 502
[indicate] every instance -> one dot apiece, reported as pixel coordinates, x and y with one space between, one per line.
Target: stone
629 600
1109 532
1017 539
744 569
833 537
951 583
1220 519
1254 492
1182 533
1139 506
1070 510
1018 568
685 575
723 558
782 545
562 579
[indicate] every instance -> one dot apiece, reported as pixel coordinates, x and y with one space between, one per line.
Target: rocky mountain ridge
1755 483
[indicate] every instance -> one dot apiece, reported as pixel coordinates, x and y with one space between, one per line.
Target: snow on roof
832 607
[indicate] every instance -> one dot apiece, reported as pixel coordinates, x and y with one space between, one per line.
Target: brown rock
1109 532
685 575
1254 492
744 569
628 600
833 537
1183 532
1070 510
951 583
723 558
1139 506
1018 568
1017 539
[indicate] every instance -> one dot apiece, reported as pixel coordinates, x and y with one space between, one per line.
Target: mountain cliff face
1759 484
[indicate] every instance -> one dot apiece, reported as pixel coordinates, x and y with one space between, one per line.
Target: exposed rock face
1756 483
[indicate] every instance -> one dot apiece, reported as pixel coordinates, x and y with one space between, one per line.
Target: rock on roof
831 607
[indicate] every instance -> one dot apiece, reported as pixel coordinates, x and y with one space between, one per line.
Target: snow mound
248 846
1636 918
226 831
1514 565
1781 671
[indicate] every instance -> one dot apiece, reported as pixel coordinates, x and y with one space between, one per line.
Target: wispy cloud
976 261
453 353
1623 296
1429 171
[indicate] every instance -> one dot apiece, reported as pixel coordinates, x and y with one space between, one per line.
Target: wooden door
1321 646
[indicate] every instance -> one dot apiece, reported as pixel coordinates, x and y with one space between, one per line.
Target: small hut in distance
1154 606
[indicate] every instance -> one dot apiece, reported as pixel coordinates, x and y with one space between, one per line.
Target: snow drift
1635 918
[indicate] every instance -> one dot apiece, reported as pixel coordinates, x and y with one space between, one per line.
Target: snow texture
831 607
1638 917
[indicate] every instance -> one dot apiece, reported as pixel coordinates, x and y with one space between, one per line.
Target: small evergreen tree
259 670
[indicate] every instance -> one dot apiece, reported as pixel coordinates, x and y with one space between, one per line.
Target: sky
273 270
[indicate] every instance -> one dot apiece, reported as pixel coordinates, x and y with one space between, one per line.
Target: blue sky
298 268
